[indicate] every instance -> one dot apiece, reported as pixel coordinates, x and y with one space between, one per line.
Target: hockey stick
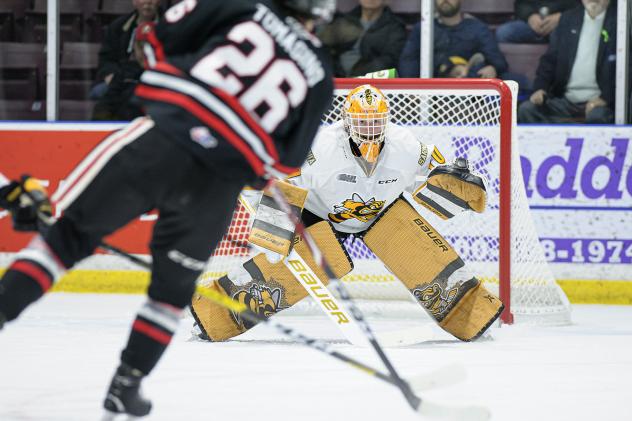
305 275
340 316
441 377
413 400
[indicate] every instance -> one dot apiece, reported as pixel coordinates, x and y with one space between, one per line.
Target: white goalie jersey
342 193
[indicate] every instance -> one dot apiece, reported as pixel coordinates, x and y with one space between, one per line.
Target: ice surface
56 361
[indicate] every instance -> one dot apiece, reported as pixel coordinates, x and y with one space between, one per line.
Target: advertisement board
578 181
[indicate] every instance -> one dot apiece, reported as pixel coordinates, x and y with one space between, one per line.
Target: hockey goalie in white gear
355 177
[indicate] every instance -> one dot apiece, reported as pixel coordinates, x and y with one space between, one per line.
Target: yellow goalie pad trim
428 266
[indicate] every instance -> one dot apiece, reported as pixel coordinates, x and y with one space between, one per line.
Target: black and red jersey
239 83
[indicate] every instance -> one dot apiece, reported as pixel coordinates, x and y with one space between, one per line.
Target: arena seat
523 58
21 70
20 109
77 69
11 11
492 12
72 17
75 110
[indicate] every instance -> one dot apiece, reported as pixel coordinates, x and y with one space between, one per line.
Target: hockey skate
123 398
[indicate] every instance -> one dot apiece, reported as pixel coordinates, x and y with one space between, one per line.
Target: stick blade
441 377
454 412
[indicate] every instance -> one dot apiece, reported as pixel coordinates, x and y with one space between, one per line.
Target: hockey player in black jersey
234 92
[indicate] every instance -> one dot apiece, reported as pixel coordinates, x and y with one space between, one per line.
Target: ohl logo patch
260 300
356 208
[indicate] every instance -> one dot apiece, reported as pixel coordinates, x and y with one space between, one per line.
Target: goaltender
355 177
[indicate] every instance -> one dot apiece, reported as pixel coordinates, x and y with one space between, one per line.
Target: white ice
56 361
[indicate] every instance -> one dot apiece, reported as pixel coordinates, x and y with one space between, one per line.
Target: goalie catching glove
452 189
27 202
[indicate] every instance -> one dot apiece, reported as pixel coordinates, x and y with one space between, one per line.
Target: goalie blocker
432 271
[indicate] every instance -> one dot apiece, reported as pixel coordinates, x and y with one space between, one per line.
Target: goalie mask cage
469 118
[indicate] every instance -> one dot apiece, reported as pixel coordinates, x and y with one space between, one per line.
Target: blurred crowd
562 53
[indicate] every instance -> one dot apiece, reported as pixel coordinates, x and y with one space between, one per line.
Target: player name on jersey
288 39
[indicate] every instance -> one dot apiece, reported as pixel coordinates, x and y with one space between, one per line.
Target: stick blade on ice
432 410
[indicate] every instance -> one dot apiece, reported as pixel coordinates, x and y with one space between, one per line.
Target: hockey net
474 119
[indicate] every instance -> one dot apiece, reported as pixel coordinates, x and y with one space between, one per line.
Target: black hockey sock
34 271
151 333
24 282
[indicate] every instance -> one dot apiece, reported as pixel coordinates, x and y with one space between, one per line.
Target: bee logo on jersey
356 208
260 300
434 298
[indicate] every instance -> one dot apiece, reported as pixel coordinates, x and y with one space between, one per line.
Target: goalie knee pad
432 271
271 287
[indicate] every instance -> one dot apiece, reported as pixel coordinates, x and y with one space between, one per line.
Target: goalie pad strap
273 287
431 270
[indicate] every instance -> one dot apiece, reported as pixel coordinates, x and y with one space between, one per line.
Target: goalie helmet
316 9
365 115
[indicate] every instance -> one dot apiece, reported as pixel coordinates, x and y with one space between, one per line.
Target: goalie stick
341 317
310 281
422 407
441 377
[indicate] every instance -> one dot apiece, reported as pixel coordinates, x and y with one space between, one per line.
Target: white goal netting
469 119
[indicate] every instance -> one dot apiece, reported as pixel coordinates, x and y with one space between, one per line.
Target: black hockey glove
27 202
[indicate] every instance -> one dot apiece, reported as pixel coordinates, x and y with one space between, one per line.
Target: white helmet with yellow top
365 115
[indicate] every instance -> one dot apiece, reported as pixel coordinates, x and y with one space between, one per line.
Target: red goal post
469 118
506 122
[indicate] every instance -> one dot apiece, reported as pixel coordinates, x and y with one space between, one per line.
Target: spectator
535 20
367 39
118 70
464 46
575 80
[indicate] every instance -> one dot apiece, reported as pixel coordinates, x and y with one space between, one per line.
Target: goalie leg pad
273 287
431 270
216 323
470 317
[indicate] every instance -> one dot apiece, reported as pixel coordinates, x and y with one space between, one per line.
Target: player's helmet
317 9
365 114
